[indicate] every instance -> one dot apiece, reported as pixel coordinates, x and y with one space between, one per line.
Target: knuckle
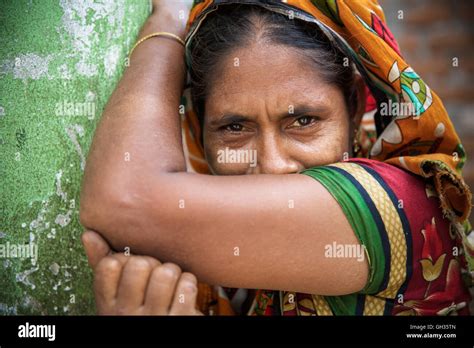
152 261
165 276
138 264
171 269
123 259
189 279
107 265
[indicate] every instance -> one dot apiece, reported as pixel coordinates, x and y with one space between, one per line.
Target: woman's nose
273 157
279 166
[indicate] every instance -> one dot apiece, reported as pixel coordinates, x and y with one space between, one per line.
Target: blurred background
59 63
430 34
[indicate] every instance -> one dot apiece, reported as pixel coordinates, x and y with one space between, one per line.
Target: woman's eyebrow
299 110
293 111
231 118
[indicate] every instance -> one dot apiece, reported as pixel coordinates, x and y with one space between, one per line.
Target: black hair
233 26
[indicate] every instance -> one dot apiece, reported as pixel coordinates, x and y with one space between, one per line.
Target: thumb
96 247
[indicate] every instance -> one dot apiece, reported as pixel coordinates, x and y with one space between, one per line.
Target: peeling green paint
59 62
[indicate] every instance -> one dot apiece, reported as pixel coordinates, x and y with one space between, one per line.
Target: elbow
92 199
91 216
108 212
88 203
123 212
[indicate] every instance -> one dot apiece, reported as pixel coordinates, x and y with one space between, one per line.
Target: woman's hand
172 13
138 285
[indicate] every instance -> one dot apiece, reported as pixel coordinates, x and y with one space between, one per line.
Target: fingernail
169 272
190 287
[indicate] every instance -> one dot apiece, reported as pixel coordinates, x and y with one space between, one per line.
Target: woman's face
268 112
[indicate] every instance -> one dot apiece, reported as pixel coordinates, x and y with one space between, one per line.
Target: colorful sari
404 197
414 254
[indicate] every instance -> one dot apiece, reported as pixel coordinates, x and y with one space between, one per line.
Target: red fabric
435 286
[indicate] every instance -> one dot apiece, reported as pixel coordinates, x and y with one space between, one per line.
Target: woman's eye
303 121
234 127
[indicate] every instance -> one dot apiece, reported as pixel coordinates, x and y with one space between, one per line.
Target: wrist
165 21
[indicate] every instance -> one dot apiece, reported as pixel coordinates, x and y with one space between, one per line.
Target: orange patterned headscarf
423 141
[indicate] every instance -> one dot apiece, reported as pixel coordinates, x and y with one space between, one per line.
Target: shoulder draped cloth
423 142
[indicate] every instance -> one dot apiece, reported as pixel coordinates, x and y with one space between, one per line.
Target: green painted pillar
59 62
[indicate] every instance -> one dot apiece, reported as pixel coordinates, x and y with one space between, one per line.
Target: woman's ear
361 98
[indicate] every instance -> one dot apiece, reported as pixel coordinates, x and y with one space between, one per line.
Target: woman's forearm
139 133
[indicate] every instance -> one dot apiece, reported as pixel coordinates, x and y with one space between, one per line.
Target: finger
152 261
161 288
107 277
184 301
95 246
133 284
126 253
106 280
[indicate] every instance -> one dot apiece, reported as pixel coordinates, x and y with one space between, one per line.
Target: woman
326 233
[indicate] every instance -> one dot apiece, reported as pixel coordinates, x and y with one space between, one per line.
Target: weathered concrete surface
59 63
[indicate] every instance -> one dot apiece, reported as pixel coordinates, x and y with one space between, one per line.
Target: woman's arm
237 231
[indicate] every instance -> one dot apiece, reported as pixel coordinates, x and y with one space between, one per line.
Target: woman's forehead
275 69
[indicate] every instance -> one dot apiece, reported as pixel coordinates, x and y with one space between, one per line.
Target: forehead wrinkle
301 85
264 60
298 87
304 95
